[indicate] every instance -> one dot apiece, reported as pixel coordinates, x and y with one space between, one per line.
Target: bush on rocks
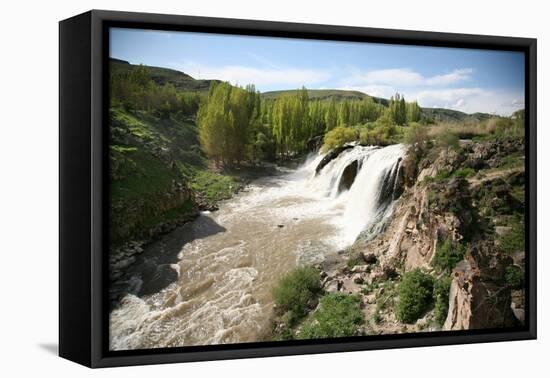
415 295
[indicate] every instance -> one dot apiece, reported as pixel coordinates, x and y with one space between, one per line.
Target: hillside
324 94
448 115
435 114
185 82
163 76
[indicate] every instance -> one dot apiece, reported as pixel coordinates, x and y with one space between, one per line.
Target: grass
339 315
295 291
147 156
317 94
464 172
445 174
214 186
139 129
140 174
175 213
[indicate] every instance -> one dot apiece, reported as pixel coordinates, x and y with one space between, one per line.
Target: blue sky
462 79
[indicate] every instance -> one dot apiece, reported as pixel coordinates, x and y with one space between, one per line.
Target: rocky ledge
458 225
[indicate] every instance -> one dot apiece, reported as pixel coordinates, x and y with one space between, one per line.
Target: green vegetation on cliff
156 162
442 287
448 254
295 292
339 315
415 295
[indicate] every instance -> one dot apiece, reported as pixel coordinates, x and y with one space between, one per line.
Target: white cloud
384 91
469 100
242 75
406 77
398 76
448 98
440 91
449 78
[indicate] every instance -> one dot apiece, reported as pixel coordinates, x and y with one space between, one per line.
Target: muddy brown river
224 264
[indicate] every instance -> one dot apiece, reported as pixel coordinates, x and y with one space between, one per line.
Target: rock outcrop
348 176
471 211
331 155
477 298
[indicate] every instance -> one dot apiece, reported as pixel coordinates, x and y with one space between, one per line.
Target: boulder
361 269
475 301
331 155
358 278
370 258
348 176
333 286
315 143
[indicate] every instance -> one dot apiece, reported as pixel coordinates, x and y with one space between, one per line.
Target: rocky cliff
459 223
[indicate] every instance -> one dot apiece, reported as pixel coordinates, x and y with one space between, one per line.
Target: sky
468 80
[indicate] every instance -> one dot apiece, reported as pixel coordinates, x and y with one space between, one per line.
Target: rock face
129 218
315 143
331 155
452 208
392 185
477 299
348 176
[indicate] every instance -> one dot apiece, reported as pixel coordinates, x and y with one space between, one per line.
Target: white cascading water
363 212
228 261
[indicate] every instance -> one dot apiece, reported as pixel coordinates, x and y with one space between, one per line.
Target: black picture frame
83 167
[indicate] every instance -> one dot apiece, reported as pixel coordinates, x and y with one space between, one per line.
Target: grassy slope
162 76
448 115
317 94
185 82
157 170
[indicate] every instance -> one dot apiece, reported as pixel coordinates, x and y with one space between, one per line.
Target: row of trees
135 90
402 112
235 124
228 122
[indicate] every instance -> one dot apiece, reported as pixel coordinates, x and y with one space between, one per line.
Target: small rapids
228 261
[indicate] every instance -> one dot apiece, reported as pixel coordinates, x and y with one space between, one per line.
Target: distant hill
162 76
438 114
185 82
449 115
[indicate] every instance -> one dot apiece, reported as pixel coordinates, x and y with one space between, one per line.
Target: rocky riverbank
456 234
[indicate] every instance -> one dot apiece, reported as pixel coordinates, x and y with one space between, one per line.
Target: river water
225 264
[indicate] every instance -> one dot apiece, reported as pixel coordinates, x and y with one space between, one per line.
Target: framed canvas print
233 188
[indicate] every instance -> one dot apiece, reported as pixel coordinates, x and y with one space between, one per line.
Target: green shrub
339 315
442 287
441 175
514 276
295 290
338 137
448 254
415 295
464 172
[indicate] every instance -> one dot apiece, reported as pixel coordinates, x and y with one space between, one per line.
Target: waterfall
229 260
369 201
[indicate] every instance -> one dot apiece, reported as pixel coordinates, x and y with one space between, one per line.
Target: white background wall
29 189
